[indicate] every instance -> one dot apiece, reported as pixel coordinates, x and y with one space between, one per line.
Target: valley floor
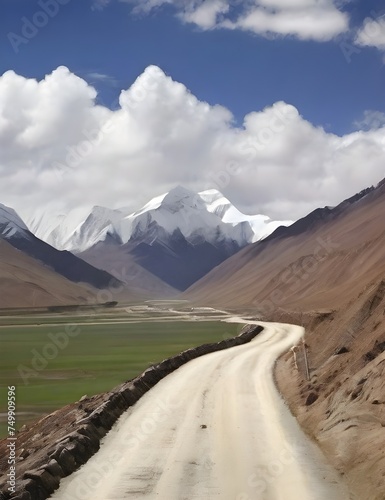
215 428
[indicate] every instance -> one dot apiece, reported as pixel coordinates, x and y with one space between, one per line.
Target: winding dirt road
216 428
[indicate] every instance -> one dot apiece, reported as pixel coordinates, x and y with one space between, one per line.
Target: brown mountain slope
25 282
322 266
327 272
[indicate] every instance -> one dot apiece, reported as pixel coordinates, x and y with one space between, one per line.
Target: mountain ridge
15 232
179 208
291 244
178 236
27 282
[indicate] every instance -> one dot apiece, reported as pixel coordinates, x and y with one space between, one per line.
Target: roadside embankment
342 406
61 442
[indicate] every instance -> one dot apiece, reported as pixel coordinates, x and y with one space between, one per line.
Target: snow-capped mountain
57 228
178 236
11 225
261 225
206 216
14 231
184 212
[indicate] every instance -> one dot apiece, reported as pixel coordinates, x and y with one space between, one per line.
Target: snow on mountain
184 211
15 231
207 216
55 228
11 224
98 225
261 225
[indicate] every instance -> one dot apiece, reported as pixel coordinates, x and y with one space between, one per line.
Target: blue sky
279 104
240 70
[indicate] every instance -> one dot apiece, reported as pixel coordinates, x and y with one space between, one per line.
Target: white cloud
206 14
310 22
319 20
102 78
99 4
59 150
371 120
372 33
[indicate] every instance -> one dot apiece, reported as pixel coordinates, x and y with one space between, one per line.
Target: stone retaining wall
60 443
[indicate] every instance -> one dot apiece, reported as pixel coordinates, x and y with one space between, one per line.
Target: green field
88 358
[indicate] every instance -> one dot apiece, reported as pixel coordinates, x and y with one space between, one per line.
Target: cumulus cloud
60 150
319 20
372 33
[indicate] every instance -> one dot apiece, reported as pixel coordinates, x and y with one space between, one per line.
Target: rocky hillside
342 404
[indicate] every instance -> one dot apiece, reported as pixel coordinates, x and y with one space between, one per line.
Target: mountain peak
180 197
193 214
104 212
180 192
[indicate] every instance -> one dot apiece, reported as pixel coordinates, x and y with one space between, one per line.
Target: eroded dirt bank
342 406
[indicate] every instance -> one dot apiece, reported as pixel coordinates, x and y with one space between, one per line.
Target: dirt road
216 428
